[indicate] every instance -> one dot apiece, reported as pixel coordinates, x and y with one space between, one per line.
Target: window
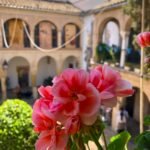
46 35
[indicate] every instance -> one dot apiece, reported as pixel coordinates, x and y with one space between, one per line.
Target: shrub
16 130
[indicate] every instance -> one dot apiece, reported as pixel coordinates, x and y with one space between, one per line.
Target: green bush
16 130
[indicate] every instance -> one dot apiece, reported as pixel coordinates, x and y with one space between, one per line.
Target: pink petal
61 140
46 141
91 104
76 78
95 77
106 95
110 75
146 37
45 92
72 124
61 89
71 108
89 120
109 102
124 88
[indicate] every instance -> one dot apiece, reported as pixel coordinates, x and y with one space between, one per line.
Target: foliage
16 130
119 141
107 53
133 8
143 140
147 120
48 81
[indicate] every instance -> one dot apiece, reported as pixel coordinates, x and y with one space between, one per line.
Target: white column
1 38
86 39
124 46
59 37
33 81
32 36
4 89
3 75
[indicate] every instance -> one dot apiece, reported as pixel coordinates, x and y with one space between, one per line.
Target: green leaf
97 128
119 141
143 141
147 120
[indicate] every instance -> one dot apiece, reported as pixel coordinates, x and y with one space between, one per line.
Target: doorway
130 101
23 76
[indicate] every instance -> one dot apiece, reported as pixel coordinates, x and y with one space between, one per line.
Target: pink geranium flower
45 122
109 84
143 39
41 116
53 139
76 95
72 124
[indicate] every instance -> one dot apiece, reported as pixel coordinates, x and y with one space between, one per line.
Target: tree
134 10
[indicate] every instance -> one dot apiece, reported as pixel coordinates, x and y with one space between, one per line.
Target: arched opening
71 62
45 34
111 35
132 105
46 70
69 31
133 54
18 73
16 36
109 48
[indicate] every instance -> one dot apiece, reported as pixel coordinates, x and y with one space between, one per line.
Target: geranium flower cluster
73 101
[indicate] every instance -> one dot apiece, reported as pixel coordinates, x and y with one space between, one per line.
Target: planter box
106 63
112 65
127 68
137 70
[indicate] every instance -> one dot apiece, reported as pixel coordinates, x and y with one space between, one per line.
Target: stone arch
133 102
72 22
18 72
109 40
45 34
15 33
128 25
70 30
46 68
71 62
104 23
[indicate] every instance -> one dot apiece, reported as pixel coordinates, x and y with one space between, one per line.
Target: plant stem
88 146
96 141
104 138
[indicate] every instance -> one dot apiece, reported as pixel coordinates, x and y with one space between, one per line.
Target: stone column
95 40
124 46
3 75
4 88
32 36
33 82
59 38
1 38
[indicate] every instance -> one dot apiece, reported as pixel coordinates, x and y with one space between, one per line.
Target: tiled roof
42 5
109 3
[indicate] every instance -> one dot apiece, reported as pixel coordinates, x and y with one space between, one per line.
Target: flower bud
143 39
147 60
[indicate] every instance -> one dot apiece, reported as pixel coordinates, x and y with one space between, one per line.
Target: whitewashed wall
12 70
45 70
71 60
88 20
111 34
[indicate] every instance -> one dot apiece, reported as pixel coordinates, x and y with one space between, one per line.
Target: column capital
124 33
